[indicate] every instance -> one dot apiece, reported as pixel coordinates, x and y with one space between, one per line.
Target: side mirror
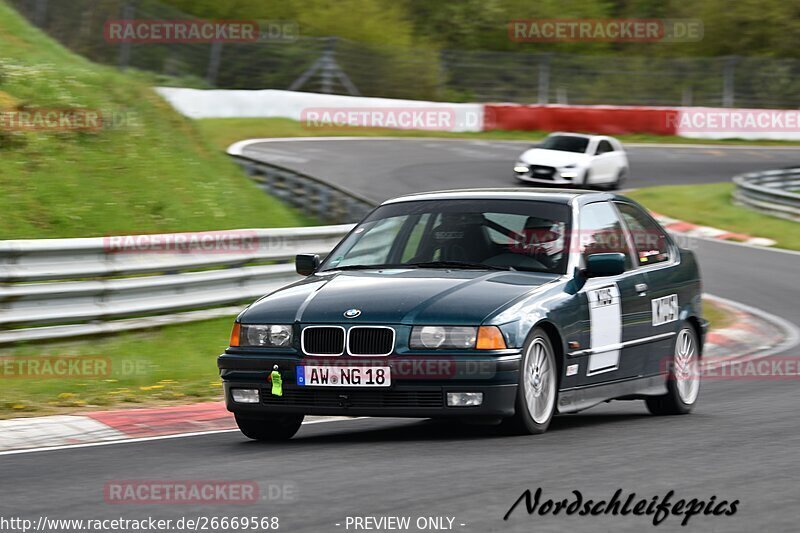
598 265
307 264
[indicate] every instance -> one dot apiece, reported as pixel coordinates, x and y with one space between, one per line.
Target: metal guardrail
771 192
327 202
60 259
54 288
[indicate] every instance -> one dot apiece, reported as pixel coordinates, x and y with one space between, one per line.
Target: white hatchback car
576 160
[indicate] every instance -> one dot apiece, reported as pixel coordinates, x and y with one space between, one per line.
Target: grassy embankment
153 171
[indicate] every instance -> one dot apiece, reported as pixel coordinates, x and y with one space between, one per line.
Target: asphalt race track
381 168
740 443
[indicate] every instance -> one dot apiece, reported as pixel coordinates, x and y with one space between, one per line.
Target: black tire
622 176
272 428
524 422
677 401
586 175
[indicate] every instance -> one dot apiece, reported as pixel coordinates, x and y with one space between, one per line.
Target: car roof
571 134
562 196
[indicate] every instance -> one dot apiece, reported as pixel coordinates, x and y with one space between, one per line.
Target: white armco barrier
307 107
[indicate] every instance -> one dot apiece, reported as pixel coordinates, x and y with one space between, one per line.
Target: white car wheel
538 387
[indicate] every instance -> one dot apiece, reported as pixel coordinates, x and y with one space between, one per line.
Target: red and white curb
707 232
48 433
752 334
105 426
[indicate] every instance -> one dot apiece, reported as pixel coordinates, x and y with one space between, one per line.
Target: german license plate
344 376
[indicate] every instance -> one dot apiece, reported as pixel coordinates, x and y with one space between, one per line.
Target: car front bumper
552 181
420 393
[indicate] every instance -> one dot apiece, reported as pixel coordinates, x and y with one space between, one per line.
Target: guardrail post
544 78
213 63
728 76
41 13
128 12
686 97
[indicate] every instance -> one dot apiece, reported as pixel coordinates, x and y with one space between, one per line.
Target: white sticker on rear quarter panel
605 323
665 310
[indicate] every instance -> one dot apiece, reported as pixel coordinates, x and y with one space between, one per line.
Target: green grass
717 315
711 205
169 365
154 173
222 132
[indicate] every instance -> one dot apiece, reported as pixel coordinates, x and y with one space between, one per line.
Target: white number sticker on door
605 321
665 310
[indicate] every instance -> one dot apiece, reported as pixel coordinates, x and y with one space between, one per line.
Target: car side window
649 239
601 232
604 147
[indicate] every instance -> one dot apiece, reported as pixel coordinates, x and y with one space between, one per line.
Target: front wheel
587 178
622 175
537 388
269 428
683 377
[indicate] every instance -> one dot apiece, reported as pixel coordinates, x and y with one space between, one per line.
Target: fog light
245 395
464 399
569 175
522 169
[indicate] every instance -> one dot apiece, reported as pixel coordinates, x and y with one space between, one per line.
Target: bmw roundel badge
352 313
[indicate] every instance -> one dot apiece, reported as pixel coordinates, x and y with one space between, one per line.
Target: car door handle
641 288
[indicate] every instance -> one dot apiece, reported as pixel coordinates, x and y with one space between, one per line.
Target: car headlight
268 336
443 337
571 165
456 338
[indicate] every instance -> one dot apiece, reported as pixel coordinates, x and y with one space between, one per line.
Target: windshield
565 143
470 234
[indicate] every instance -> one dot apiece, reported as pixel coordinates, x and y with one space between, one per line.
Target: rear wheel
269 428
683 378
537 388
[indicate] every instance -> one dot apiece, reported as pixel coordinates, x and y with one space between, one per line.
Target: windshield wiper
427 264
460 264
367 267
